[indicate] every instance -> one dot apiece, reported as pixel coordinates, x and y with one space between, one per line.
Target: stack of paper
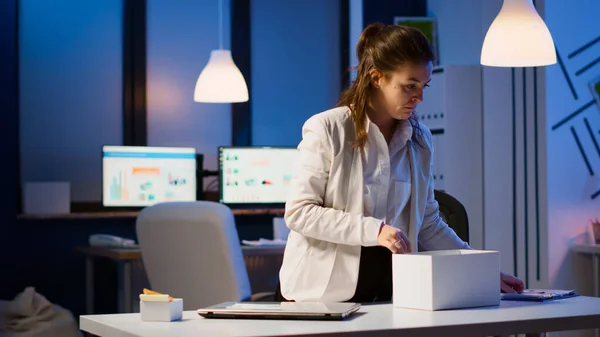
539 295
265 242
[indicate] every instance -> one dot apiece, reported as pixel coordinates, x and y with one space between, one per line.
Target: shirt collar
401 136
403 133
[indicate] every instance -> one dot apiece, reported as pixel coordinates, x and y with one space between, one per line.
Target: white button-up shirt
386 172
326 217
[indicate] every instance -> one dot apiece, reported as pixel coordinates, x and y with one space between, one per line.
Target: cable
220 24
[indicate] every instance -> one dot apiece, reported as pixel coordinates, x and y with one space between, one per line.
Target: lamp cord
220 24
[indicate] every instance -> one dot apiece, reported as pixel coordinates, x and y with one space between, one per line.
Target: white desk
594 251
374 320
253 256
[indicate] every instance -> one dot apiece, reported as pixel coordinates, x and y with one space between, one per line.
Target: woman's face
399 93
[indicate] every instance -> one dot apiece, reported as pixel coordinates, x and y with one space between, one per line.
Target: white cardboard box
449 279
52 197
161 311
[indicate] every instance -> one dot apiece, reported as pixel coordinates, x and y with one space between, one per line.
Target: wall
38 254
56 60
70 67
295 66
461 30
538 187
180 36
363 13
356 28
42 253
514 141
514 152
9 93
71 87
460 33
571 184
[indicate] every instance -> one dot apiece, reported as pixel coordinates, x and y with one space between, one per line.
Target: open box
447 279
161 311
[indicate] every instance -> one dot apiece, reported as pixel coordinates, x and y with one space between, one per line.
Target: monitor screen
256 175
135 176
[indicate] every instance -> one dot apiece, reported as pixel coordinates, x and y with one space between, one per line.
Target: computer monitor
256 175
139 176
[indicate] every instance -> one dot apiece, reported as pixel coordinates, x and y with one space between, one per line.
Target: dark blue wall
39 254
295 67
9 139
42 253
384 11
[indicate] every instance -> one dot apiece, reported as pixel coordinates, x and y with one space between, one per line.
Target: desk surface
374 320
124 214
587 248
136 254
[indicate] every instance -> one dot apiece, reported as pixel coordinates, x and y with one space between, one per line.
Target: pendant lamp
518 37
221 81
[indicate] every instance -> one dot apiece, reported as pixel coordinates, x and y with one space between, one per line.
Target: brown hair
385 48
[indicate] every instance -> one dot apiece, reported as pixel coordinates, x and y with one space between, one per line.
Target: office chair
454 214
192 250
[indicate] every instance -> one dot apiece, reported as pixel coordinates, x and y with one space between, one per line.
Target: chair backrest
454 214
192 250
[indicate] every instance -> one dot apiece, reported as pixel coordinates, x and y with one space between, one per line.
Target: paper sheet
265 242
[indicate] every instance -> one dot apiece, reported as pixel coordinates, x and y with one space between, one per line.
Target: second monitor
256 175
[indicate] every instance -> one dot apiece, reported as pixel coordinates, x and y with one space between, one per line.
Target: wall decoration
595 89
567 77
428 25
585 129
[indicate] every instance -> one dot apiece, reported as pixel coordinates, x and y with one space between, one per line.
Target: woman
364 188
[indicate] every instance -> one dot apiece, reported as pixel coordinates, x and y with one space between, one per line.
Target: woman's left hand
510 284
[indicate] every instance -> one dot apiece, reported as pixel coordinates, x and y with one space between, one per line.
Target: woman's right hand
393 239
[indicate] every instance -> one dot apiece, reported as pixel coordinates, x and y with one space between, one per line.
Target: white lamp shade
221 81
518 37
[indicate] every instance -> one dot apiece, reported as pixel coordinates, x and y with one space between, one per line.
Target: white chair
192 250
